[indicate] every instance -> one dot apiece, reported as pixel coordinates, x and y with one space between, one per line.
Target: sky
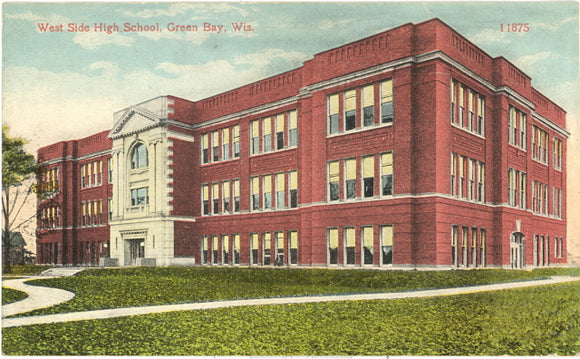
64 85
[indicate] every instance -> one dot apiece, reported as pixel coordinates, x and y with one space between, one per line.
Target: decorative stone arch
138 155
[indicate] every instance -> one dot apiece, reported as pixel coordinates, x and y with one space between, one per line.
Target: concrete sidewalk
38 297
123 312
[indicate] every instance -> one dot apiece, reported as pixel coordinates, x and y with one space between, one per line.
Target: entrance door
136 250
517 250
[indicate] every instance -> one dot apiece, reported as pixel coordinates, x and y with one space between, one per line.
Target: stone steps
61 271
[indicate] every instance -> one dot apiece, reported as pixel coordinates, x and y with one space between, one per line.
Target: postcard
290 178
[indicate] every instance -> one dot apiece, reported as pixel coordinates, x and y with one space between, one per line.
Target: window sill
517 147
359 130
540 162
272 152
219 162
468 131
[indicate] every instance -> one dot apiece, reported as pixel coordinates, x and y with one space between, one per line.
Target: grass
11 295
29 269
113 288
533 321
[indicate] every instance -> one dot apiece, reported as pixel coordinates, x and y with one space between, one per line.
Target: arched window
139 156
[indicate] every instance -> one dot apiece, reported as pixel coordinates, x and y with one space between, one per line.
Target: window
511 187
482 247
205 198
523 126
139 156
205 148
481 115
481 182
367 239
255 136
236 249
350 178
293 187
474 247
453 102
215 149
293 129
333 111
279 260
280 190
387 173
539 197
293 247
267 191
557 202
110 163
517 124
214 249
368 174
387 102
255 187
453 174
332 237
226 197
236 195
470 113
523 191
386 244
465 233
557 160
236 133
368 108
349 246
350 110
267 134
226 143
461 105
471 179
215 197
204 250
454 248
266 248
461 176
540 145
280 122
254 248
139 196
333 181
110 208
225 249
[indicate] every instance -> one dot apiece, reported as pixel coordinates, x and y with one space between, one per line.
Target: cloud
198 9
32 17
527 62
93 40
556 26
47 107
193 37
329 24
489 35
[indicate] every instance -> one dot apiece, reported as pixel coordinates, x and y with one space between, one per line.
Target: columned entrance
517 250
136 250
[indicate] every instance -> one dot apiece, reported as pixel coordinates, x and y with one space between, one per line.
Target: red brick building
411 147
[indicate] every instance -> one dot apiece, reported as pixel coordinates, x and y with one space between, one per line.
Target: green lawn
11 295
532 321
112 288
29 269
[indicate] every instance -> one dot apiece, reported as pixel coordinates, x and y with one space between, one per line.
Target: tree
18 184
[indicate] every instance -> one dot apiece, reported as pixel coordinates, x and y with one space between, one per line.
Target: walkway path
123 312
38 297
